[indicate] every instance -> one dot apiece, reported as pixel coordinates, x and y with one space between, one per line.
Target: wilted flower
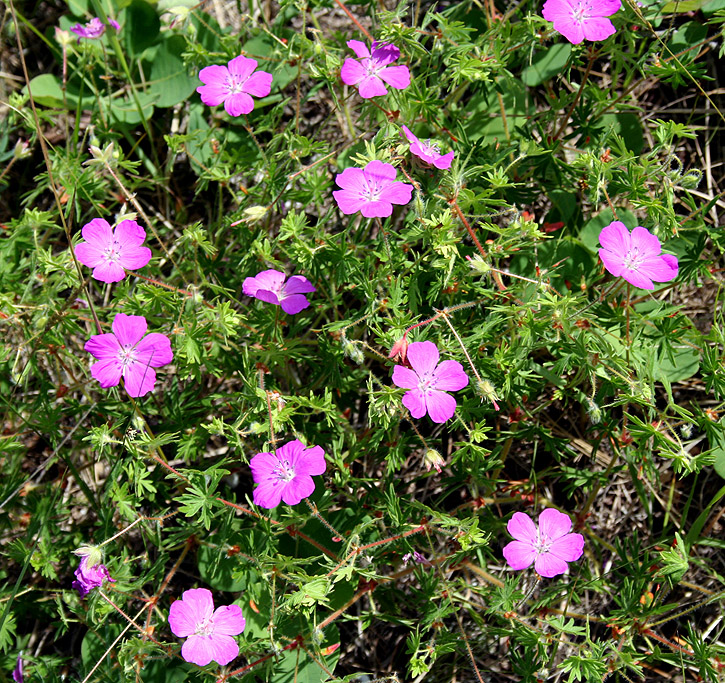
635 256
286 474
18 670
90 576
234 84
129 353
549 547
371 190
95 28
372 68
578 20
112 251
399 350
208 633
428 381
428 151
270 286
434 459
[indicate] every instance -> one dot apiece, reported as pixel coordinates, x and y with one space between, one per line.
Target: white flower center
112 253
371 66
235 84
633 259
372 191
543 543
579 14
430 148
206 627
426 379
127 357
284 471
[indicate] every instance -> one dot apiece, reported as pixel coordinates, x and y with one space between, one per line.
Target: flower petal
645 242
294 304
441 406
310 461
522 528
154 350
129 329
519 555
449 376
195 607
198 650
269 279
262 466
213 94
238 103
103 346
414 401
215 75
298 284
659 268
597 28
108 372
637 278
405 377
108 271
129 234
371 86
349 201
268 494
228 620
384 53
423 356
242 67
408 134
267 296
377 209
548 565
359 48
553 524
568 548
379 173
613 261
89 254
352 72
396 76
139 379
299 488
444 161
98 233
615 237
352 179
259 84
224 649
397 193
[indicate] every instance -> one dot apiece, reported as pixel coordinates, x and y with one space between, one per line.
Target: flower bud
486 389
433 458
92 552
352 351
399 350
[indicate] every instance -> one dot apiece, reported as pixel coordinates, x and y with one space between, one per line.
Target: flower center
371 66
126 356
236 84
633 259
372 191
544 544
112 253
579 14
430 148
206 627
284 471
426 380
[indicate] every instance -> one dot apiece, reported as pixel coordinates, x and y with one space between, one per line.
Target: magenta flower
129 354
95 28
110 252
577 20
371 190
89 577
549 547
234 84
18 670
428 151
286 474
270 286
635 256
429 382
371 69
208 633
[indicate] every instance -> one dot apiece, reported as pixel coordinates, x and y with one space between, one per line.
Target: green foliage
585 393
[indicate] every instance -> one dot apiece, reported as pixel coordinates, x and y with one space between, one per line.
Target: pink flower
577 20
370 70
429 381
18 670
129 354
637 257
286 474
270 286
89 577
95 28
234 84
208 633
111 251
549 547
371 190
428 151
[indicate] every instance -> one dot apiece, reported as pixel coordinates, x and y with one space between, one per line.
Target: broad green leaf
546 64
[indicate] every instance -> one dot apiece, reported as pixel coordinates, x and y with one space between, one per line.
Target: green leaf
589 234
170 82
547 64
141 27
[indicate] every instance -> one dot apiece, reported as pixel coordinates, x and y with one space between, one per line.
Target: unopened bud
64 38
253 214
479 265
399 350
595 412
101 156
21 149
352 351
486 389
92 552
433 458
